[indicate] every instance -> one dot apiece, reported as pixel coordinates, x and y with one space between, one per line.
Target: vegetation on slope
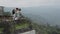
42 29
10 26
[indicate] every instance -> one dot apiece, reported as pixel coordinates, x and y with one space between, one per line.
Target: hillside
10 26
40 29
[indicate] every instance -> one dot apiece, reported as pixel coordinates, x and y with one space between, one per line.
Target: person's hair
17 9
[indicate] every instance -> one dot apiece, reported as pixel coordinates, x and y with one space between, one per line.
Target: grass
25 25
1 29
20 26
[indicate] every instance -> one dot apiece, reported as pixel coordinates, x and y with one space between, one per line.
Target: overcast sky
28 3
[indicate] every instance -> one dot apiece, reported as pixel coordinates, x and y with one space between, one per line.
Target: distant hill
49 14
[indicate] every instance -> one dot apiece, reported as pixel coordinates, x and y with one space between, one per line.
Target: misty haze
43 14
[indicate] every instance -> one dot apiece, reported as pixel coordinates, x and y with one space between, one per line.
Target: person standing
17 15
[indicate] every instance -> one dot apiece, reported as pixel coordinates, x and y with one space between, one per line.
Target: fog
42 14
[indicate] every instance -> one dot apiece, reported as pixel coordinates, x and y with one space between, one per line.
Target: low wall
29 32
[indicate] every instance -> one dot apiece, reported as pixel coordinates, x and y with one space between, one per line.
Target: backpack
13 11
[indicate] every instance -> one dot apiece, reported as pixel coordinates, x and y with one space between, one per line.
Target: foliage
42 29
9 26
7 14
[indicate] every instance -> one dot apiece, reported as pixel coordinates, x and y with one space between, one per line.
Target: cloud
27 3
